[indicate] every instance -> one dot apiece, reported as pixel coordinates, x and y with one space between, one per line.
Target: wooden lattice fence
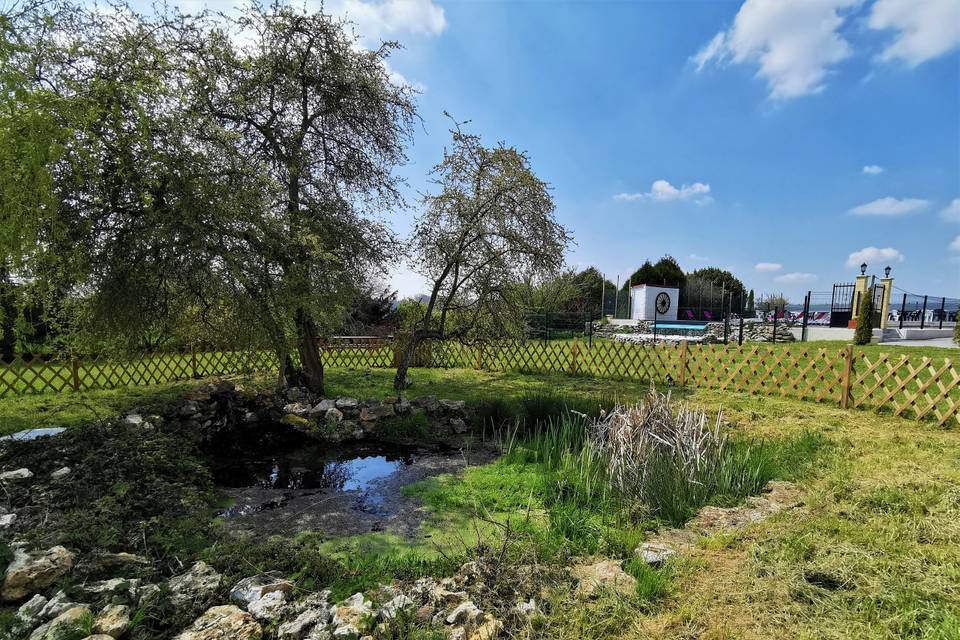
919 388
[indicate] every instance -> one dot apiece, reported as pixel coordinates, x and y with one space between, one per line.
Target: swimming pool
677 325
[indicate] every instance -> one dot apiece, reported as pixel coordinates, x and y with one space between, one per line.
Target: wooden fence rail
921 388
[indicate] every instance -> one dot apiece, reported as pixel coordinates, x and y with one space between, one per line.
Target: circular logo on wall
663 302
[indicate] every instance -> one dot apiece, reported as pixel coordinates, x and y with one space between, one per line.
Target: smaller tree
751 310
864 330
490 227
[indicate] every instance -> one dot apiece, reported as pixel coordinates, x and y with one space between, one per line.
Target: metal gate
841 304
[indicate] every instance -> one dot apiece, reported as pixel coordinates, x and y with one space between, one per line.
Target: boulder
29 612
60 473
56 605
31 572
68 622
7 520
489 630
112 621
196 585
297 408
605 574
15 475
313 612
227 622
333 416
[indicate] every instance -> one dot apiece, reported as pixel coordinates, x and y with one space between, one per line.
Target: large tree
227 169
489 226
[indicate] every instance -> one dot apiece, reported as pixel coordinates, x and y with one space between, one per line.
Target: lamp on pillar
887 283
863 269
886 272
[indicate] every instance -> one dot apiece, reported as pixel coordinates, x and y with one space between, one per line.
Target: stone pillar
861 287
887 296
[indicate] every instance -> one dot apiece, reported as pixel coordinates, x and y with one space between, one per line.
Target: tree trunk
399 381
310 362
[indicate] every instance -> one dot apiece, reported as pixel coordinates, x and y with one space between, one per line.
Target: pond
341 489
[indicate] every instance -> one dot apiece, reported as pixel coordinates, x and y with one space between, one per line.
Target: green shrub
864 331
651 583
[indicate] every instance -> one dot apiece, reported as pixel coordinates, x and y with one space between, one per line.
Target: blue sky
784 140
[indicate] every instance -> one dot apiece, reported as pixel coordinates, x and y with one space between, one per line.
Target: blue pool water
686 327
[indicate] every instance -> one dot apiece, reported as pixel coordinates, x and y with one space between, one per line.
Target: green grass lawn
873 553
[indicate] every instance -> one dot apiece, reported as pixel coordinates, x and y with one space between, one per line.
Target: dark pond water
271 479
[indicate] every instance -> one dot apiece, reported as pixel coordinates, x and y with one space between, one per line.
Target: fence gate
841 305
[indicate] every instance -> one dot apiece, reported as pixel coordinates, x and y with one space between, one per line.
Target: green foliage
666 271
720 278
863 334
652 584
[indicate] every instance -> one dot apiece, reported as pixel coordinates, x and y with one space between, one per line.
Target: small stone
297 408
457 425
32 572
199 583
113 620
457 633
67 622
250 590
605 574
333 416
60 473
346 403
377 412
7 520
298 628
351 615
323 406
16 474
527 608
56 605
442 596
222 623
30 610
270 607
134 419
655 553
390 610
453 405
466 612
99 636
489 630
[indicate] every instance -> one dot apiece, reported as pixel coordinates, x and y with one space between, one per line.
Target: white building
647 299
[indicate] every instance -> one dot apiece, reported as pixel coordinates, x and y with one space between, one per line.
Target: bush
864 331
956 332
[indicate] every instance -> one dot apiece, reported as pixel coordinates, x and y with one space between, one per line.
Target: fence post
923 313
903 310
775 324
806 312
943 310
574 357
847 375
75 372
193 360
683 363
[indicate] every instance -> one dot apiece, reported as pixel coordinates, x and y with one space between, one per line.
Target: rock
457 425
299 627
323 406
465 613
457 633
424 613
250 590
227 622
453 406
17 474
440 595
63 625
377 412
346 403
489 630
399 603
7 520
270 607
29 573
297 408
429 403
196 585
56 605
527 608
606 574
351 615
333 416
122 560
655 553
60 473
134 419
123 587
112 621
29 612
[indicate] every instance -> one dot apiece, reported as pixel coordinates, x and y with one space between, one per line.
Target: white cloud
796 278
873 255
955 245
693 257
951 212
794 43
925 28
873 169
664 191
768 266
377 21
889 207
